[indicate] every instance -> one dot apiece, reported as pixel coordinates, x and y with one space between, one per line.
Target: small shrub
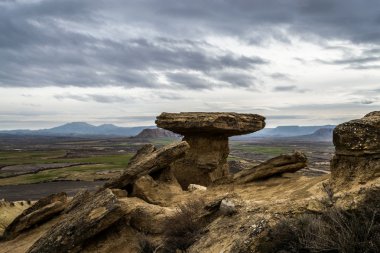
146 246
184 227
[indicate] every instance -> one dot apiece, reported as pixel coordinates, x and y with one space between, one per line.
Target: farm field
47 165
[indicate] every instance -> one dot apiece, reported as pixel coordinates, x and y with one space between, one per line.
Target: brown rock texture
275 166
160 191
207 135
225 123
41 211
146 164
358 137
145 150
357 150
95 214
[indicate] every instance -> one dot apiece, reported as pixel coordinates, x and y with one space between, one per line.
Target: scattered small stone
196 187
227 207
257 228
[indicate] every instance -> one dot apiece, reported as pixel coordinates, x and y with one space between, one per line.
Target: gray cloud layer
161 43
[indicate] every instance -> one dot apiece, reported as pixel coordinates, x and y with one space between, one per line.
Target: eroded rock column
357 151
207 134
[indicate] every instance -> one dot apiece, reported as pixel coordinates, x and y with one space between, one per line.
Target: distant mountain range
322 134
156 133
81 129
289 131
84 129
302 133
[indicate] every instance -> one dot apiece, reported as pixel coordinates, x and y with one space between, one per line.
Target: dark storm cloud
364 67
356 60
237 79
368 101
187 80
368 59
65 42
92 97
287 88
280 76
169 96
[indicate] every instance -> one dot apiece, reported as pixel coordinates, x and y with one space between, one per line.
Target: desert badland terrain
200 194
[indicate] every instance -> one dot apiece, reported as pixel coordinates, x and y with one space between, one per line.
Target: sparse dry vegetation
334 230
184 227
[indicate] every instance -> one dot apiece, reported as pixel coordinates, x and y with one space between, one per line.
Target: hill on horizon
82 129
86 129
154 133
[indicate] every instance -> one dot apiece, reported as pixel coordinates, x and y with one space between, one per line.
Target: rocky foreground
181 198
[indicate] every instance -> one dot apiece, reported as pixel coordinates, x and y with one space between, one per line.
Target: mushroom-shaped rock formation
357 150
207 134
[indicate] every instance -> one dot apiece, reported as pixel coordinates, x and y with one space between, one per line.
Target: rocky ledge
357 155
359 137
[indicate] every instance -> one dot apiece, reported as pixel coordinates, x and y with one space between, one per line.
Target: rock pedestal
207 134
357 151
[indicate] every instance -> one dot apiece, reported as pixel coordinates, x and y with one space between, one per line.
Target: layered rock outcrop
357 151
147 161
275 166
41 211
95 213
207 134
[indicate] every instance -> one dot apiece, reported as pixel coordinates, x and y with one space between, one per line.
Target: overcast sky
302 62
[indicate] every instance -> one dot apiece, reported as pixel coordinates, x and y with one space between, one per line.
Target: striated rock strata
43 210
94 214
207 134
357 151
148 161
275 166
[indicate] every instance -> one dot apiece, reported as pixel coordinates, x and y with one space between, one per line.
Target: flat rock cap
227 123
360 135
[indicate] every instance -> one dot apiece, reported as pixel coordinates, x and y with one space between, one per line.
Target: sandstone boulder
94 214
227 207
41 211
357 151
358 137
150 163
158 191
196 187
143 217
144 151
207 135
275 166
